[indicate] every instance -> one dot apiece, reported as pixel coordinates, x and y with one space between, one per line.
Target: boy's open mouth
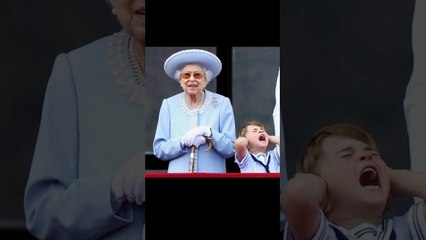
369 177
262 138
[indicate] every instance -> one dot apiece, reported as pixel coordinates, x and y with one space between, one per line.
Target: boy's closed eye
255 130
375 154
347 155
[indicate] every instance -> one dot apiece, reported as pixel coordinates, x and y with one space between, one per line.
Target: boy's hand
316 188
241 147
274 139
242 141
405 182
302 199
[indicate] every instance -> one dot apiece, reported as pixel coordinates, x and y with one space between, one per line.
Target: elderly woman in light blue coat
195 118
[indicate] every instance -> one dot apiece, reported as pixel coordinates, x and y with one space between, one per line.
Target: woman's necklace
125 69
134 64
197 105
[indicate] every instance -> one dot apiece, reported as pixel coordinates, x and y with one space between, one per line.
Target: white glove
128 182
198 141
185 140
188 138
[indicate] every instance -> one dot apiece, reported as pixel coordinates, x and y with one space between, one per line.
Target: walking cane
192 155
192 159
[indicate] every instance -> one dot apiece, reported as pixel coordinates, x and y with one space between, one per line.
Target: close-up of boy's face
354 173
257 136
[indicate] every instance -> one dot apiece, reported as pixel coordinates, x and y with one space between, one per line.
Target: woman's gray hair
207 73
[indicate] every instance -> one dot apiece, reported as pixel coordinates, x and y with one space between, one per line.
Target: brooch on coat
215 103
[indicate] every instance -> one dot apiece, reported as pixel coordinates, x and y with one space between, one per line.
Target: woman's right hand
195 136
129 181
197 141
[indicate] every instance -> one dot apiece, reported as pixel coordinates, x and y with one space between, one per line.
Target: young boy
343 187
251 149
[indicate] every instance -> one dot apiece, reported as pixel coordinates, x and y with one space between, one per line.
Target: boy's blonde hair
310 162
243 131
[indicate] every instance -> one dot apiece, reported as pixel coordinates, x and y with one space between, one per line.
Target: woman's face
192 79
131 16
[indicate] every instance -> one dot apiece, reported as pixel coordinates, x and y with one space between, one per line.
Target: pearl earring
114 12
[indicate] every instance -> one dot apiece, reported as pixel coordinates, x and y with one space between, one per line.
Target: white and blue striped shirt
411 225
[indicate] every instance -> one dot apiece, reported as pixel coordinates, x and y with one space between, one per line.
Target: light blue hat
192 56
